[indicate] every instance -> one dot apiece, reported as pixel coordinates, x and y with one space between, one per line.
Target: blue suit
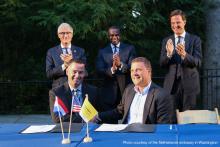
187 86
64 93
54 63
114 84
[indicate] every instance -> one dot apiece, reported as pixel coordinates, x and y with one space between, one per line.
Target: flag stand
65 140
87 138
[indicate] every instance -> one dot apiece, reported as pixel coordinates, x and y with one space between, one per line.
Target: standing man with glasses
181 54
113 64
74 89
58 57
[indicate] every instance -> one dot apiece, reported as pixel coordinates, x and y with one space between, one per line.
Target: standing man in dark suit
113 64
76 73
58 57
181 54
143 101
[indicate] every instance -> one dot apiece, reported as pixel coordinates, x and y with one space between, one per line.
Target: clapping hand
66 58
180 49
116 60
169 47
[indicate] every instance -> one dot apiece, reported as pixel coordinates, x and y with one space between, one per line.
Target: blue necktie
177 57
115 49
76 97
178 61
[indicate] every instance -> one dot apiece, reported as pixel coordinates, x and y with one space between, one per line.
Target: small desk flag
59 107
87 111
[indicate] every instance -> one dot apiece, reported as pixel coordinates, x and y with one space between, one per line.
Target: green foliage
28 28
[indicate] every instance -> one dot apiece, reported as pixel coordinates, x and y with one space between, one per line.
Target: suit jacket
64 93
117 82
188 66
54 63
158 106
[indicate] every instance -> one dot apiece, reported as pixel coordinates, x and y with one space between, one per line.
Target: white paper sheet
111 127
38 129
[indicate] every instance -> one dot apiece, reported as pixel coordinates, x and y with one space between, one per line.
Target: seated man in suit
143 101
58 57
73 88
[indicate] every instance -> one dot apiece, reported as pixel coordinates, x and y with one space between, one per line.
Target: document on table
38 129
111 127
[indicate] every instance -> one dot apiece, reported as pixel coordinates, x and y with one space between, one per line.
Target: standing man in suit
143 101
58 57
76 72
181 54
113 64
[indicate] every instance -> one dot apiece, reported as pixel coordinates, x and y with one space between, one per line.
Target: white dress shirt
136 111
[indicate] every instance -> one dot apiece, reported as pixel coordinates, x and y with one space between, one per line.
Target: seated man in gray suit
58 57
143 101
76 72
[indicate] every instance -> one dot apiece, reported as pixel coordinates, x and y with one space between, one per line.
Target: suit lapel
187 40
74 50
83 92
58 51
68 95
108 55
121 48
148 102
128 102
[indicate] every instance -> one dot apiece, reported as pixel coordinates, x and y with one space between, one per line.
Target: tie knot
75 91
115 49
65 50
179 39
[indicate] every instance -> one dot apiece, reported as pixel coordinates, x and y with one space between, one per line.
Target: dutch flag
59 107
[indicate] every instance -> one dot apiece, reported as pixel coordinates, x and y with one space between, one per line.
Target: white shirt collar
182 35
78 88
62 46
145 90
118 45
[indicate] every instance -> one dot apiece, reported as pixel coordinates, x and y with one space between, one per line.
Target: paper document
38 129
111 127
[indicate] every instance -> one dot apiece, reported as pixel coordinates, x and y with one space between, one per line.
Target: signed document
38 129
111 127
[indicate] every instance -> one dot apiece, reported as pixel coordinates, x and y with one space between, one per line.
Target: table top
164 135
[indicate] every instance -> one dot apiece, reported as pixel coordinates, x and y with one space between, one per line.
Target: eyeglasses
63 33
112 35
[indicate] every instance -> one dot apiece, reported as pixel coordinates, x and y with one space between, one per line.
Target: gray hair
64 25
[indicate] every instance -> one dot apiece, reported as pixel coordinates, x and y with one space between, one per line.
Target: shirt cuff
113 72
169 55
63 67
120 68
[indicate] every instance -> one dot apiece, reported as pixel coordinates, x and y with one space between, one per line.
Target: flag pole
61 125
64 141
87 138
71 115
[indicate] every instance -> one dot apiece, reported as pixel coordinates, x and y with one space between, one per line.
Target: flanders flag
87 111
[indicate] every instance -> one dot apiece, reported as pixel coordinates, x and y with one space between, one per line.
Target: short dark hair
178 12
77 61
114 27
143 60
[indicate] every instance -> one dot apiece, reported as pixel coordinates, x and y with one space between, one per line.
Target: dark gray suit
114 84
157 109
187 86
54 63
64 93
